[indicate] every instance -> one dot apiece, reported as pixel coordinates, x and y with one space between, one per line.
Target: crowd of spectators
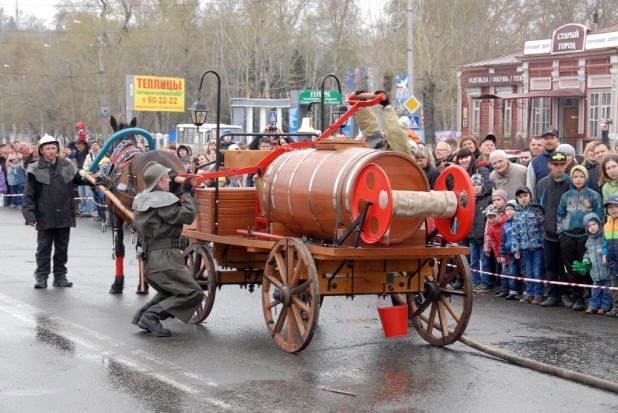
544 215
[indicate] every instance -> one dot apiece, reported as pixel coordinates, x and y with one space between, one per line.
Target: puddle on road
594 356
45 335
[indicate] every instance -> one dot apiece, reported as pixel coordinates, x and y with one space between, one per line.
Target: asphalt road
75 350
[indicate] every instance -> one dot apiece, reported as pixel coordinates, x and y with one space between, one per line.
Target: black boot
139 289
118 285
41 282
151 321
141 312
579 305
458 284
61 281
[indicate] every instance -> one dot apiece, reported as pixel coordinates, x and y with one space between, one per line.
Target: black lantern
198 113
337 112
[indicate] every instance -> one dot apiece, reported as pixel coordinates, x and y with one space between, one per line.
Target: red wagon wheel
441 315
199 261
291 295
462 186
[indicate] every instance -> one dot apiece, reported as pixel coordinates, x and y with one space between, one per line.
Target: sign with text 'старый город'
331 97
155 93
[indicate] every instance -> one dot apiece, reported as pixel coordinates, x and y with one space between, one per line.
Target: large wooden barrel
305 190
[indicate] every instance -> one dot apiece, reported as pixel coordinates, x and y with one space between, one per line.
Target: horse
126 168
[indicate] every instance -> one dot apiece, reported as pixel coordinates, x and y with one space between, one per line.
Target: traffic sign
105 120
415 122
412 104
331 97
273 117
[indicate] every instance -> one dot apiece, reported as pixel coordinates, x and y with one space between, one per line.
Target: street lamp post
74 119
337 112
199 112
322 126
198 117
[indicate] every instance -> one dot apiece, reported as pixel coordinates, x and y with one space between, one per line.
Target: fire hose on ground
535 365
532 364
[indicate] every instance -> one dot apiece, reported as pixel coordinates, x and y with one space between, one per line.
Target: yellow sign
159 94
412 105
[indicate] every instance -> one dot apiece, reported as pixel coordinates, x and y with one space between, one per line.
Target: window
546 113
535 117
606 105
600 108
476 116
594 115
508 117
540 115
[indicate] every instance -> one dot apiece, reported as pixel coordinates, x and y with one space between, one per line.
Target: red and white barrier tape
77 198
564 284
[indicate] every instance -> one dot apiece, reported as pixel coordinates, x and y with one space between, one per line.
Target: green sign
331 97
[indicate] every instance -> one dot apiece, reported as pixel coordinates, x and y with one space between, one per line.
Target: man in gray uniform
159 219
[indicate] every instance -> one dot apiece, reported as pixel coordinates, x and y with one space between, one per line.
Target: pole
72 91
218 160
322 108
410 51
102 83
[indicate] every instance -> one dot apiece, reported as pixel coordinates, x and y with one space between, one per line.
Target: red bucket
394 319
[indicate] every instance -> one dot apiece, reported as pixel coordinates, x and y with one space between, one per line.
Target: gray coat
514 178
48 196
160 215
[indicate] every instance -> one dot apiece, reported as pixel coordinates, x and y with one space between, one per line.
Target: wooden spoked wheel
440 315
291 295
199 261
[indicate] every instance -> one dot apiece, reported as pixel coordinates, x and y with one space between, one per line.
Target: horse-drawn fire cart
334 218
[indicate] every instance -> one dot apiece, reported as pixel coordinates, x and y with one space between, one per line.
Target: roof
507 59
607 29
512 58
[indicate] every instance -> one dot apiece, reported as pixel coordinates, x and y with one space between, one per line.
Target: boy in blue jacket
478 260
506 249
601 300
527 243
574 205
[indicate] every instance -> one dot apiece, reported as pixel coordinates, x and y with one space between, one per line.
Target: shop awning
565 93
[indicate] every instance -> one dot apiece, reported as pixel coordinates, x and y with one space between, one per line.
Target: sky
45 9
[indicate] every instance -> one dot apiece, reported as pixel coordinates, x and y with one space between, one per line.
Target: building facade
568 82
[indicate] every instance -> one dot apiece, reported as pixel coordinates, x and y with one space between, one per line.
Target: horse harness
121 158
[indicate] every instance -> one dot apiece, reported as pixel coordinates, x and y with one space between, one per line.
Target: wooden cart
335 218
295 272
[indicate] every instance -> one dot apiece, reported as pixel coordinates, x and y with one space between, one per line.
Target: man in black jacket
548 192
48 205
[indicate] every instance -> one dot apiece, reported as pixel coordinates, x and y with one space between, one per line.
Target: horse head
116 127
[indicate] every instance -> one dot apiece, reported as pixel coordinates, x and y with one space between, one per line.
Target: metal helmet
46 140
153 171
612 199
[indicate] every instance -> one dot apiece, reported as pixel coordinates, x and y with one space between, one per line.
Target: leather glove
173 185
358 92
386 102
103 180
187 188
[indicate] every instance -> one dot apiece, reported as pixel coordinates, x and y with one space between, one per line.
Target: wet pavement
75 350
